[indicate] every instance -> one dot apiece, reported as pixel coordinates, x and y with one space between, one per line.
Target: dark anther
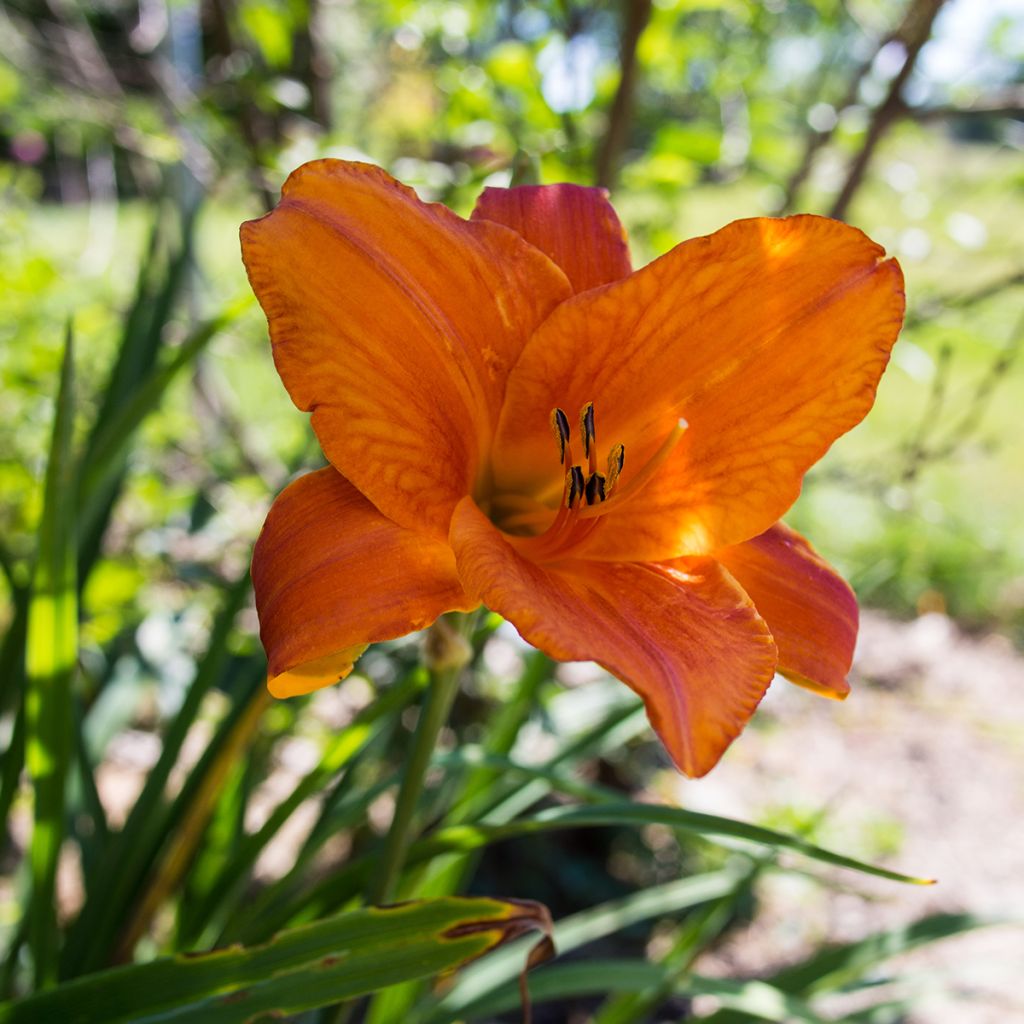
587 427
595 489
577 487
560 428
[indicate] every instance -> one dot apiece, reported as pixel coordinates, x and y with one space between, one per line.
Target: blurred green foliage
135 136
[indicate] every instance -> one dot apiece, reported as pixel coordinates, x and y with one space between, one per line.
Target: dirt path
922 768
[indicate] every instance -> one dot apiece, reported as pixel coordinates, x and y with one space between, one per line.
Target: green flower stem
447 653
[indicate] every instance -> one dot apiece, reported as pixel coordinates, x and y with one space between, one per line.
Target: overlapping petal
768 337
395 322
574 225
332 575
684 636
809 607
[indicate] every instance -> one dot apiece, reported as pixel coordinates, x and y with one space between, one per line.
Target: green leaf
622 724
347 882
835 966
337 959
588 926
698 931
187 818
51 654
229 884
599 977
132 851
115 430
162 278
471 837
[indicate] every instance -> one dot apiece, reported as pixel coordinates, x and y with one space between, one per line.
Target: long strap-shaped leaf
51 654
340 958
578 930
345 883
470 837
599 977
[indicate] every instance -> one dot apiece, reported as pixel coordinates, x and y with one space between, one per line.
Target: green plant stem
444 683
447 653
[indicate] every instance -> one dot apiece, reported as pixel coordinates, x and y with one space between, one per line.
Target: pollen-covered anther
588 434
562 434
644 475
575 487
595 488
585 493
616 460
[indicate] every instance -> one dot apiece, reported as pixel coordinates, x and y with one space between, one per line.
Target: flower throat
587 493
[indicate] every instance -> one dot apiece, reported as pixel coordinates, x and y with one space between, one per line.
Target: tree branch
637 14
1008 103
915 31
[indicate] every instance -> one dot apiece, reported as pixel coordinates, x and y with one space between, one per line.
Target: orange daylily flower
513 417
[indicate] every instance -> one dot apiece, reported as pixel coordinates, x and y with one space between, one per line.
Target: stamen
586 495
616 460
575 487
646 473
560 428
595 489
571 495
588 433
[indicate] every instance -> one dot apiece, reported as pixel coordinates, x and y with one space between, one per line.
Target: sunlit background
136 136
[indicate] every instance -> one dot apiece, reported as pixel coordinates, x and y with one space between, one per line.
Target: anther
588 434
616 460
595 489
644 475
575 487
561 431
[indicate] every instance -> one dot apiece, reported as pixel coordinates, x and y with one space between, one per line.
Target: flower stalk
446 653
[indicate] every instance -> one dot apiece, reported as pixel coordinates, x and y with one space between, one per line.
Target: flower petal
574 225
395 322
684 637
809 607
768 337
332 575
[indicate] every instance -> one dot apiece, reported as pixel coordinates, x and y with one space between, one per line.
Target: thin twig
1008 103
932 307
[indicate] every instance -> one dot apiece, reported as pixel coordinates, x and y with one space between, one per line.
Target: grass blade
51 654
698 931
